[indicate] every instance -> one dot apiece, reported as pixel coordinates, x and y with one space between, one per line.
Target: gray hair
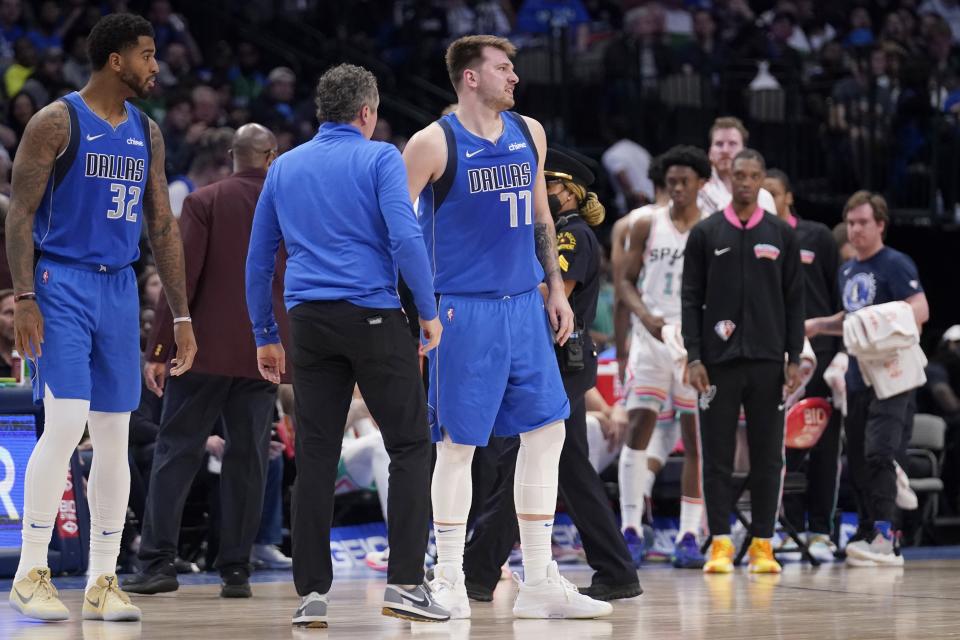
343 90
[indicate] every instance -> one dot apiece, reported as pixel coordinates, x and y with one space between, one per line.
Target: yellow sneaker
105 601
36 597
761 557
720 556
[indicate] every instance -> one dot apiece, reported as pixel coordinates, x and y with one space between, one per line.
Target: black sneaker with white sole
312 612
415 604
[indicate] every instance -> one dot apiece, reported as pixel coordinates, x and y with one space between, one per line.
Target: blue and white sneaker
416 605
312 612
686 553
636 546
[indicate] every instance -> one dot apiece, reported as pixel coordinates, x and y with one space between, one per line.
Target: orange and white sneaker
720 556
761 557
105 601
35 597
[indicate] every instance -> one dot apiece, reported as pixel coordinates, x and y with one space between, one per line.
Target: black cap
561 166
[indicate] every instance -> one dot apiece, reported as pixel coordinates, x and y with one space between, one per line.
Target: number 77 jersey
91 212
477 219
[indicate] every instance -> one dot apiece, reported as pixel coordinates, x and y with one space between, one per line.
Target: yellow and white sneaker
720 556
761 557
36 597
105 601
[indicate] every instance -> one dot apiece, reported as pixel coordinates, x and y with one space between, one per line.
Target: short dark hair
781 177
113 34
657 173
343 90
464 52
751 154
686 156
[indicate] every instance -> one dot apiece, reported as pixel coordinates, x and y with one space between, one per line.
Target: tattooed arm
545 237
168 251
45 137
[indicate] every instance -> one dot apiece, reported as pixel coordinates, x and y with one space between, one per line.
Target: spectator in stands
706 55
24 61
52 25
11 28
942 397
276 104
7 336
170 27
245 76
949 10
176 71
47 82
19 111
180 133
76 67
206 106
860 34
627 163
210 163
150 287
678 23
640 56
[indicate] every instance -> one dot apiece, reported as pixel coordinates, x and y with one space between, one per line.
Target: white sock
381 475
648 483
450 540
691 516
109 491
535 542
46 478
633 478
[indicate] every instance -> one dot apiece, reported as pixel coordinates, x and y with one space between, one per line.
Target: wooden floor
920 601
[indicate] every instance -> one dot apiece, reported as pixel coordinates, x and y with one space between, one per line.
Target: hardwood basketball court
921 600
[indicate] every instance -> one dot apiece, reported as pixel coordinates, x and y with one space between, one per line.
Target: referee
742 310
340 204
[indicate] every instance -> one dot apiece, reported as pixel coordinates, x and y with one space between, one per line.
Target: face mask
555 205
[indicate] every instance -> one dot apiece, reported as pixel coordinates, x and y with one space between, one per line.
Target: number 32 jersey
92 209
477 219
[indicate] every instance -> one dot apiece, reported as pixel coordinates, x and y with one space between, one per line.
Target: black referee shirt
821 262
742 294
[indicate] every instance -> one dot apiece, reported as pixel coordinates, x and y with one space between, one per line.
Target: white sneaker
450 590
821 547
267 556
556 597
906 498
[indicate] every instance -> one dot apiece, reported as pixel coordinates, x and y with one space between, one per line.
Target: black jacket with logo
743 290
821 263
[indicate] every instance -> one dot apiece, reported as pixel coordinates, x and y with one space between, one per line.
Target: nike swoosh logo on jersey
39 526
470 155
720 252
91 138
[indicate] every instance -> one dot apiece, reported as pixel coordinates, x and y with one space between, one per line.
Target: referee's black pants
814 511
335 345
877 432
581 490
757 385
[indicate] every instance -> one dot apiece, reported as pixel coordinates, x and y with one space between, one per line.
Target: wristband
693 362
182 319
26 295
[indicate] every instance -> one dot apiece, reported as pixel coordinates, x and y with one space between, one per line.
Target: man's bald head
254 147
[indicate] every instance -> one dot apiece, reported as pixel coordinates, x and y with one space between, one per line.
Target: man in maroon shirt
215 226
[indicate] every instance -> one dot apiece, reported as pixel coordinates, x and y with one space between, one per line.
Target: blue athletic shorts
91 335
495 370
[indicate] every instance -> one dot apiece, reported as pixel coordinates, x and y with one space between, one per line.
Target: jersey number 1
124 204
515 199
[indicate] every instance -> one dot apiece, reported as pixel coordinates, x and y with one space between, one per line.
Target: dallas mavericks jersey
663 267
477 219
91 212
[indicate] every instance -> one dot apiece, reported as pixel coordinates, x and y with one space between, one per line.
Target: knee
452 454
547 439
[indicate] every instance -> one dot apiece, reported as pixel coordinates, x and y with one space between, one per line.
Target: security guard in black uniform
574 210
742 311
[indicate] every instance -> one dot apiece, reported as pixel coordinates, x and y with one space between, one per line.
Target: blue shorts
495 370
91 336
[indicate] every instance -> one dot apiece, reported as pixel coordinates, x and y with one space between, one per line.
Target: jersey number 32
124 199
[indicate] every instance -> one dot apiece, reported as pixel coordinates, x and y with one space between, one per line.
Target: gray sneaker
416 605
876 551
312 612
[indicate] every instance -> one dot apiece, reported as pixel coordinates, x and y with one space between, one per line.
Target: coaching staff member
215 226
341 205
742 310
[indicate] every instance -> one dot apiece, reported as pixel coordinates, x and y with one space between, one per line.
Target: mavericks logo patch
859 291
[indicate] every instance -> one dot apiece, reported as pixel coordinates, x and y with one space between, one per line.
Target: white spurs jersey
663 267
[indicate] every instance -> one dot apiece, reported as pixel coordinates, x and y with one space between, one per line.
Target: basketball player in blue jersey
89 170
483 206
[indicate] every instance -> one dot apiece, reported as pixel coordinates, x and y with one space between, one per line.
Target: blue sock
883 527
